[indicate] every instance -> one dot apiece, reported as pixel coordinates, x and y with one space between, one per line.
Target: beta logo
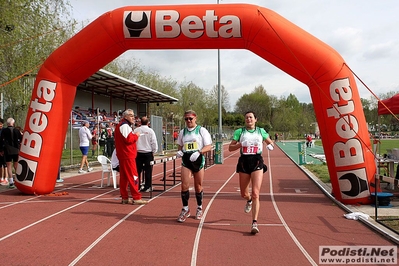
26 171
353 183
169 24
137 24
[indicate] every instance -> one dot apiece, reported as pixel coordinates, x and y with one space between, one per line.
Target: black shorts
195 166
10 158
2 162
250 163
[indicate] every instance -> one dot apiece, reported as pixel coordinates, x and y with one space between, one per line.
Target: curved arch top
228 26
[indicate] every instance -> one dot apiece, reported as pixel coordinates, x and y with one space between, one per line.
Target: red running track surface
88 225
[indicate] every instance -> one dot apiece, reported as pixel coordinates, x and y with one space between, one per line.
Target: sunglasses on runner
188 118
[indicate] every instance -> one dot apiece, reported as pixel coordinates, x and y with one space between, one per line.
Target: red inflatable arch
229 26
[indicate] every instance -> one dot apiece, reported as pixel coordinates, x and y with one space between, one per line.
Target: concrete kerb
326 189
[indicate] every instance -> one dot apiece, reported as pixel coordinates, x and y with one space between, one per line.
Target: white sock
185 208
11 180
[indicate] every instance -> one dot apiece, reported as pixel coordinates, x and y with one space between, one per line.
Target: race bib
250 150
191 146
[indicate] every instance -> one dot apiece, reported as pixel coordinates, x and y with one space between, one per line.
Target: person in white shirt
84 136
147 145
194 141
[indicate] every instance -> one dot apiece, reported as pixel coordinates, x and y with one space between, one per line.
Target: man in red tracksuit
126 151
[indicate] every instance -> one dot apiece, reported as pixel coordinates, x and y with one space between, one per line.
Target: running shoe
140 202
60 180
125 201
254 229
183 215
89 169
4 182
248 206
198 215
11 185
81 171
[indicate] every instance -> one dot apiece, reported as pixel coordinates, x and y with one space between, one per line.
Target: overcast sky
364 32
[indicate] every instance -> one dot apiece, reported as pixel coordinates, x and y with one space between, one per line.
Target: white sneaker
198 215
183 216
254 228
248 206
81 171
89 169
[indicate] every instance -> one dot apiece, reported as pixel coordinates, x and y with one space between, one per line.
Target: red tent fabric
390 103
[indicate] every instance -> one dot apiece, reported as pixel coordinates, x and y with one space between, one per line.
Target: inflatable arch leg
229 26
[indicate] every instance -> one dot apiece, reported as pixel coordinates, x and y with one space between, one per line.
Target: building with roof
112 93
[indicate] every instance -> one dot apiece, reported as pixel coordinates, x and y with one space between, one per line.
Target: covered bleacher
118 93
102 97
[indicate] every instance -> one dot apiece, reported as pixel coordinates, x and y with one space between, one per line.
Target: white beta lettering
193 27
347 127
350 152
32 142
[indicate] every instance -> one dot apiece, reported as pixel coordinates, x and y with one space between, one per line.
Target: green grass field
321 171
387 144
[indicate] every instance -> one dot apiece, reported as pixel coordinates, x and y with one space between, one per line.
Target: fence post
219 152
302 152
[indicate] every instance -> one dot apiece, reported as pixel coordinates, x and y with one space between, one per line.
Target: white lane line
81 255
50 216
77 259
296 241
229 224
201 224
10 204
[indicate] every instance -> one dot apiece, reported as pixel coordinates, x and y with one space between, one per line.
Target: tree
192 97
224 94
30 31
257 101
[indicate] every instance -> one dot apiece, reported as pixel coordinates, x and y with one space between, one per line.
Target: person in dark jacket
10 141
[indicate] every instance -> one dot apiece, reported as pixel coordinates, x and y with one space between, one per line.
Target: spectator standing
175 135
110 142
10 140
147 145
94 140
309 141
250 166
126 151
84 136
193 141
102 141
3 165
59 179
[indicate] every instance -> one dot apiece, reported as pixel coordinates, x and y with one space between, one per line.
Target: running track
89 226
